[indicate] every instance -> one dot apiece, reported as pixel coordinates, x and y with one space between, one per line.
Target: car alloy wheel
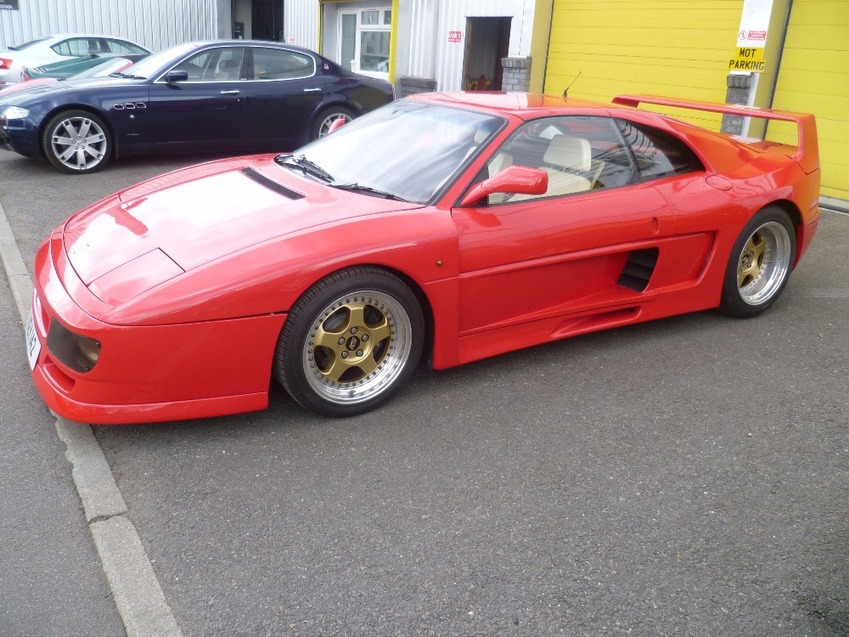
350 342
328 118
760 263
77 142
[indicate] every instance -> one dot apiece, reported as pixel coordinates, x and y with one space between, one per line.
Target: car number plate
33 344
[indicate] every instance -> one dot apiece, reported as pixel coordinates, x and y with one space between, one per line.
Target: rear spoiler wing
807 153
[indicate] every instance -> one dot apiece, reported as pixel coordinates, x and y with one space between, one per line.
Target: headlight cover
78 352
14 112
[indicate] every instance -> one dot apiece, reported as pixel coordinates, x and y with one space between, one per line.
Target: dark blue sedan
234 96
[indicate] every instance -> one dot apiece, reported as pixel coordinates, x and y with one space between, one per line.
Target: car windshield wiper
368 190
306 166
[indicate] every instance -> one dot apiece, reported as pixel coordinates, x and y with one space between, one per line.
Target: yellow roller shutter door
677 48
814 78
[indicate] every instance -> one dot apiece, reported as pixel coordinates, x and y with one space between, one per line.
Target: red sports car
447 226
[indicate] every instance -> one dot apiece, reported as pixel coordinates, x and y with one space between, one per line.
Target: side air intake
638 269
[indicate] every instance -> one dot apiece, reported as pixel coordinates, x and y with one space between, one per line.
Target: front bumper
148 373
19 137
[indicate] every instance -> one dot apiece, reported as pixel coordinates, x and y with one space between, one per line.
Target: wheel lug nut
341 340
344 354
354 330
364 338
359 352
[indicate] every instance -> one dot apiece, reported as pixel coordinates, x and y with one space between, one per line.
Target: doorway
267 20
487 42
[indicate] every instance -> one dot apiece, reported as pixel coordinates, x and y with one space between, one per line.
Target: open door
487 42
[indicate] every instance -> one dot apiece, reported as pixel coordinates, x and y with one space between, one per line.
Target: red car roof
523 105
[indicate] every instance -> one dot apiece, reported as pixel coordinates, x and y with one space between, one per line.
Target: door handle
312 90
230 92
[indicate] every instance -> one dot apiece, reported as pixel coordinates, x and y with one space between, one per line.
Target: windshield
407 149
150 65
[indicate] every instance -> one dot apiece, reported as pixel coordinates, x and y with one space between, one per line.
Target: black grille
638 269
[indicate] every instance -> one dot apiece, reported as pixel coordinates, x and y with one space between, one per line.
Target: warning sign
747 58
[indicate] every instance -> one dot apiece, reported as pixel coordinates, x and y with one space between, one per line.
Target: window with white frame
364 40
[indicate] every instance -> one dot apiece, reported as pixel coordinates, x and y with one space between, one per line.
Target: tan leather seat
568 161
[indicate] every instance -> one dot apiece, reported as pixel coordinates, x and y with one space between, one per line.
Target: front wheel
350 342
76 142
760 263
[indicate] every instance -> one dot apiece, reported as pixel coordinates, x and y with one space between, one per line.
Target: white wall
452 17
300 23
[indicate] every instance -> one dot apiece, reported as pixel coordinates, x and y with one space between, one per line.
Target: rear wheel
350 342
760 263
76 142
327 118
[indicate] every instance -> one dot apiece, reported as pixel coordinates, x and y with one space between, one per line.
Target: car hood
26 86
176 223
39 91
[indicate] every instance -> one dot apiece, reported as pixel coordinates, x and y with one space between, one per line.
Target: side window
578 153
77 47
278 64
658 154
216 65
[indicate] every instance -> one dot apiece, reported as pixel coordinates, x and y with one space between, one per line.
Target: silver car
56 48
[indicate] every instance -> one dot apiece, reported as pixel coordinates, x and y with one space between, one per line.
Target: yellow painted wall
677 48
814 78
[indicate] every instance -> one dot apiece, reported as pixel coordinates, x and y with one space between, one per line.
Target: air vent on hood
270 184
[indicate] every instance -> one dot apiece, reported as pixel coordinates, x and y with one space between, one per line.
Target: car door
569 251
284 90
206 111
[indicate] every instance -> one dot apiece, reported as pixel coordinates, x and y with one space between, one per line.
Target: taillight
5 64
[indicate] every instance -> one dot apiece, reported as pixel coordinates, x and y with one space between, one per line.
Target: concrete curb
137 593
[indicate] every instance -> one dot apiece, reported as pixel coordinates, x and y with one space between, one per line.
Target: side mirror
512 180
172 77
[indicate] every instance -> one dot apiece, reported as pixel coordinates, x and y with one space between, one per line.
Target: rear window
657 154
21 47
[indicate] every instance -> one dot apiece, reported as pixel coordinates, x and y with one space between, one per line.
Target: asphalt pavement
683 477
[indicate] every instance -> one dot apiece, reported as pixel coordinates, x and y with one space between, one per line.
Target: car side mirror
172 77
511 180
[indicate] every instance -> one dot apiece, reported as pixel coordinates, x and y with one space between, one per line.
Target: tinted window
657 153
277 64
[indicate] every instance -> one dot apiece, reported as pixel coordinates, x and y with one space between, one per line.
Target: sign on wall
751 39
8 5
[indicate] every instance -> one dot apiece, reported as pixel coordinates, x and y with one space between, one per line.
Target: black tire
760 263
350 342
76 142
322 123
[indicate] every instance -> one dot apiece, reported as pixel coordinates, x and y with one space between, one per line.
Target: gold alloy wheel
357 347
764 263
